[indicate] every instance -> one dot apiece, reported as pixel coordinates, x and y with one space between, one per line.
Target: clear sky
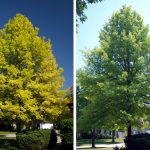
98 14
54 18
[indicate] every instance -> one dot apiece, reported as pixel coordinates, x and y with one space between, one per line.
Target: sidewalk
102 146
7 136
58 136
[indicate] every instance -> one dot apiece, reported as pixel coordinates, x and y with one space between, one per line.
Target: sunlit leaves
30 79
116 76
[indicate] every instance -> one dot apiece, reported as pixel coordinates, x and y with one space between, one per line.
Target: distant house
147 131
46 125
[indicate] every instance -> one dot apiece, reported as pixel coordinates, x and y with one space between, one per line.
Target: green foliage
81 5
8 143
33 140
116 77
67 131
30 79
65 124
10 148
81 101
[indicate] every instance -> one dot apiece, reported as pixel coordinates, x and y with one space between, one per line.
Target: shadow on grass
97 141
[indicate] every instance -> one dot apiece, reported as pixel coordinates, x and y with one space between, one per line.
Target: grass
7 132
98 141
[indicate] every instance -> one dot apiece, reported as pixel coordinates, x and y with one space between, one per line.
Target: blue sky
54 18
98 14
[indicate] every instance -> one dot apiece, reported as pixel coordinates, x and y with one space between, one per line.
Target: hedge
138 142
8 144
33 140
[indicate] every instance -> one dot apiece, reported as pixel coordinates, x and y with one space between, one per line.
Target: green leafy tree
30 79
116 75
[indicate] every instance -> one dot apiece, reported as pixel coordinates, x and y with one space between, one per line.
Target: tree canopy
116 76
81 5
30 80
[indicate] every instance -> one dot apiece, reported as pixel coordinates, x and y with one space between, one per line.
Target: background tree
30 80
116 75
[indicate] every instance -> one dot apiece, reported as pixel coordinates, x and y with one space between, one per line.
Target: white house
46 125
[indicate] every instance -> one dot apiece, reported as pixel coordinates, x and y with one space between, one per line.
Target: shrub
66 130
7 143
138 142
33 140
104 136
10 148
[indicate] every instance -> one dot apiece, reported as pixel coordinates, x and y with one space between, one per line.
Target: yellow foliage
30 79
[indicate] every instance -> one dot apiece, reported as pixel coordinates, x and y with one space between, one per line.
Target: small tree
30 80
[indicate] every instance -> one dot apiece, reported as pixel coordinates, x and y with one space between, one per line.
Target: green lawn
7 132
98 141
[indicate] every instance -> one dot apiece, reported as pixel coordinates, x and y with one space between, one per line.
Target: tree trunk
93 137
129 129
18 126
113 136
35 126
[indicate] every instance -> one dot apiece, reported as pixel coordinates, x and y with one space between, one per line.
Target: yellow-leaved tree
30 80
